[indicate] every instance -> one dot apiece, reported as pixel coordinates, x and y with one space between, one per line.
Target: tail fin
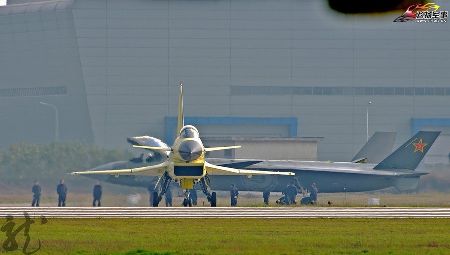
377 148
180 119
409 155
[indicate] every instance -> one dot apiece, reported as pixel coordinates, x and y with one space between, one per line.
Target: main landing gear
165 182
212 197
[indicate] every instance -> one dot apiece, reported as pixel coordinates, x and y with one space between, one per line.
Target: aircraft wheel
213 199
155 200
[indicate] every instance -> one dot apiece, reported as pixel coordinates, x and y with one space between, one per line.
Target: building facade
112 68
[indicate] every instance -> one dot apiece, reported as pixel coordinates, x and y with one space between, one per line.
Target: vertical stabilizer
409 155
377 148
180 119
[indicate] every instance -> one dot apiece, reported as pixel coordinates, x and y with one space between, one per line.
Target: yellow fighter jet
185 163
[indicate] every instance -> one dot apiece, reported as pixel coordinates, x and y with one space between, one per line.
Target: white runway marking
226 212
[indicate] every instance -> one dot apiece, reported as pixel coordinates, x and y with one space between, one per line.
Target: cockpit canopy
189 132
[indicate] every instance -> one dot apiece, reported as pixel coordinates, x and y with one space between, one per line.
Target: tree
22 163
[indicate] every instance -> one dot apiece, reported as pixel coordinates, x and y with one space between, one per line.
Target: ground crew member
234 193
168 197
313 194
285 196
266 195
291 192
61 189
97 194
36 189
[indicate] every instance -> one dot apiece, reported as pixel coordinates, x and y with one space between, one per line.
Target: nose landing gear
187 201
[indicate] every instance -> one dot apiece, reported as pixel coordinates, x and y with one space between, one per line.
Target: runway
225 212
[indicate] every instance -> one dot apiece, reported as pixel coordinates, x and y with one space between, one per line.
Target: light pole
56 118
367 121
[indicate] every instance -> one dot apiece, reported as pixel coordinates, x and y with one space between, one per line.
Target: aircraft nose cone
190 150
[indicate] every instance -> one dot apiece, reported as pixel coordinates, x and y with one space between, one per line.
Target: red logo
419 146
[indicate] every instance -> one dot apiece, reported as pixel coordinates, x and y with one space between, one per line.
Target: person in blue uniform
266 196
61 189
36 189
234 193
313 194
291 193
168 197
97 194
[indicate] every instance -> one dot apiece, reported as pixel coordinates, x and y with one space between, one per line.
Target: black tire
155 200
213 199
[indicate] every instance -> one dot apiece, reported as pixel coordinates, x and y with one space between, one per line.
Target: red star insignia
419 146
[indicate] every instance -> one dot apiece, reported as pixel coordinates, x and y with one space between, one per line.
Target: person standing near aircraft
36 189
97 194
291 192
266 195
61 189
234 193
313 194
284 200
168 197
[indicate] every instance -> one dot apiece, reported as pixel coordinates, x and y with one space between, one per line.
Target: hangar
110 69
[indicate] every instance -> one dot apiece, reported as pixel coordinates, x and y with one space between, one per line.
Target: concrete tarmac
226 212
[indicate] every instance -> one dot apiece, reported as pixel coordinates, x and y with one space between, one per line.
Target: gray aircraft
396 170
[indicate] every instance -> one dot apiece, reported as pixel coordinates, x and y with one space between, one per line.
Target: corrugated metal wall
39 62
256 58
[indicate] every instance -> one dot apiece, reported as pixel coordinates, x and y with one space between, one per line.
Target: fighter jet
184 163
396 170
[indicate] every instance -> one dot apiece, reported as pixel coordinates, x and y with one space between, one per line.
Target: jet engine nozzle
190 150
